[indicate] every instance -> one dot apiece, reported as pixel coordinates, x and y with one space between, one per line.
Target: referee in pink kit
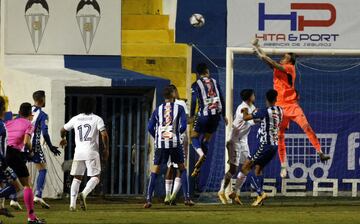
19 138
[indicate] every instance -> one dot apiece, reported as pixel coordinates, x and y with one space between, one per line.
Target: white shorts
93 167
238 152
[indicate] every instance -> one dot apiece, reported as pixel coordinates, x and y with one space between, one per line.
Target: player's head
248 95
25 111
39 98
271 96
176 92
202 69
87 105
2 107
288 58
169 93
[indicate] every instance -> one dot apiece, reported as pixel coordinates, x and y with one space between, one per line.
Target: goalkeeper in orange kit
284 84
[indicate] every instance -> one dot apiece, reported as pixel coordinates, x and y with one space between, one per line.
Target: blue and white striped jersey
40 122
206 91
270 124
166 125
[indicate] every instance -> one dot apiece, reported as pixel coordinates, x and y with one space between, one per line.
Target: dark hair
201 68
167 92
173 87
245 94
87 105
25 110
293 58
271 95
2 104
38 95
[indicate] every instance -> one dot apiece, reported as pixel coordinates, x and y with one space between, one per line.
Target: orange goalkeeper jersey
284 84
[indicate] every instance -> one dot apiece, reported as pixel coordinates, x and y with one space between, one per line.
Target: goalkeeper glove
55 151
283 171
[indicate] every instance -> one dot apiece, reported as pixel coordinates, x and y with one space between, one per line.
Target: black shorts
16 161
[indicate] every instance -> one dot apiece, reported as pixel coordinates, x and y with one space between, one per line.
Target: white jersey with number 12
87 129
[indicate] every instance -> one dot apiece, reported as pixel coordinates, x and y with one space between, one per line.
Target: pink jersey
17 129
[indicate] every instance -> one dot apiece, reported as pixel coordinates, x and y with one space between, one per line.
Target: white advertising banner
63 27
294 23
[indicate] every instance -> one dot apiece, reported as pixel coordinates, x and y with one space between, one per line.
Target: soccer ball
197 20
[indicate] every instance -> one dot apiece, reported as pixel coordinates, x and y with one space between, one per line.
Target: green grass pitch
294 211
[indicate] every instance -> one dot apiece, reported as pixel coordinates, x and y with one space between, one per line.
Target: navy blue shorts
264 155
206 124
161 156
8 175
38 157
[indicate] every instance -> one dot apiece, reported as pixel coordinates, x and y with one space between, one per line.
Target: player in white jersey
172 186
87 128
237 146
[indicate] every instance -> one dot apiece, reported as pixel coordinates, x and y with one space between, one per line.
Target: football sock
177 186
90 186
240 180
40 182
29 203
258 182
151 187
226 181
197 146
168 187
75 185
185 184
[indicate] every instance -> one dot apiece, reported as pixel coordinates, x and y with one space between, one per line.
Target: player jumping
40 123
87 128
166 125
207 93
172 186
284 84
270 117
238 148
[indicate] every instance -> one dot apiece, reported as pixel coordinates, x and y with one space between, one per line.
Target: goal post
230 72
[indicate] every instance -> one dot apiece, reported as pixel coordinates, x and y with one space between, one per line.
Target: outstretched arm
45 130
262 55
